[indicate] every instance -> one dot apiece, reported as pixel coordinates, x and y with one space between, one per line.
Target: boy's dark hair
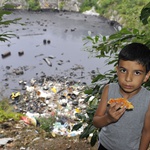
136 52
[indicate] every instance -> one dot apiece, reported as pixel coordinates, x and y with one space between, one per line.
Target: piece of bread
124 102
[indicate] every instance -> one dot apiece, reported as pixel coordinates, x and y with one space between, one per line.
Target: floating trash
29 120
48 61
52 97
15 95
20 53
6 54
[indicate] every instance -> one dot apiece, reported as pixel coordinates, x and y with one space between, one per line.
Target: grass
7 112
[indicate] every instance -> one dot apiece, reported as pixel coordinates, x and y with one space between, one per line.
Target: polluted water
44 69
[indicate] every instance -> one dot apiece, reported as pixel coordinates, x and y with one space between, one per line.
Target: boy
122 129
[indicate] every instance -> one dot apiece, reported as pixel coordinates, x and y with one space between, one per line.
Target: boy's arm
103 115
145 139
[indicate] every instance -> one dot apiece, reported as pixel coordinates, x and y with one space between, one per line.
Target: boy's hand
115 111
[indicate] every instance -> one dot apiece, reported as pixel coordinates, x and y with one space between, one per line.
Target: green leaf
87 131
94 138
80 116
96 38
114 36
90 111
104 38
4 12
88 91
93 103
7 22
145 13
135 31
125 31
77 126
87 98
89 38
98 77
96 89
9 6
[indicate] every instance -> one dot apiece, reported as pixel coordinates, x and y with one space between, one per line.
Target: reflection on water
63 33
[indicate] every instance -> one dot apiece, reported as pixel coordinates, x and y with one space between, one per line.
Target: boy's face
131 75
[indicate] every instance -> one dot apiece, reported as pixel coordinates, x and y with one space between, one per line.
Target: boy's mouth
127 86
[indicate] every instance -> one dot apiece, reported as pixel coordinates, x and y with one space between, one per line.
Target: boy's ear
116 69
147 76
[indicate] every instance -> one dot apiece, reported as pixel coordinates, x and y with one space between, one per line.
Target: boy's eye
137 72
123 70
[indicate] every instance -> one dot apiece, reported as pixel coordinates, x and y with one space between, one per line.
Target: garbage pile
51 96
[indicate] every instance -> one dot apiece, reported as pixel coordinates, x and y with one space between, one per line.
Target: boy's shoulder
145 90
145 94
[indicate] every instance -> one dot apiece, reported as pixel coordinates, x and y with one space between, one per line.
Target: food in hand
124 101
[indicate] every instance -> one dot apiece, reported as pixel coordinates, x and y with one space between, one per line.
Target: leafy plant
4 10
88 4
61 5
108 47
6 111
145 14
33 4
46 123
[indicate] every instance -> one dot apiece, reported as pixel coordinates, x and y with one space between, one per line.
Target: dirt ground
25 137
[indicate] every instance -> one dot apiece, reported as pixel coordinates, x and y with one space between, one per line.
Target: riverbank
18 136
69 5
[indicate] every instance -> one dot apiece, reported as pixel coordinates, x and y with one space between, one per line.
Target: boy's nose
128 77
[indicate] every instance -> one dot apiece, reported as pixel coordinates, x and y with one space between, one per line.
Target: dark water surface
65 32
